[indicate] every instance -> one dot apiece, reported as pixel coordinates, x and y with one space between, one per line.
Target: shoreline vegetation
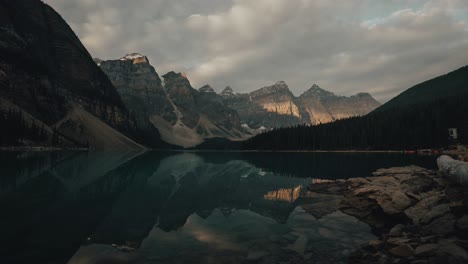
48 148
461 155
40 148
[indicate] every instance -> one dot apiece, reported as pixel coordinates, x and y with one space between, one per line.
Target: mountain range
186 117
276 106
52 93
182 115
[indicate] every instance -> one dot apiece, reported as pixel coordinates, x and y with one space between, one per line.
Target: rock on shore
418 215
455 170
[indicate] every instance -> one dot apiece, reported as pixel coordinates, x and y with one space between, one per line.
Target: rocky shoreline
418 215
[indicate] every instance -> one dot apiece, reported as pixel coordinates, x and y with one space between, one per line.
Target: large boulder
455 170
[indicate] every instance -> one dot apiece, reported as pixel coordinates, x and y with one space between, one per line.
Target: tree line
15 130
419 126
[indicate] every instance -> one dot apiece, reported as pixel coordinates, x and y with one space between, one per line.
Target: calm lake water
173 207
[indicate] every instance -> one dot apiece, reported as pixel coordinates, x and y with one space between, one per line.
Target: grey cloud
344 46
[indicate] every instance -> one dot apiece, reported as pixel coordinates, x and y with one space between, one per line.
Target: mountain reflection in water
286 195
170 207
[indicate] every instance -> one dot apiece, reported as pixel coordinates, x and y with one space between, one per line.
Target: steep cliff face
183 96
325 107
357 105
226 120
275 106
311 101
276 99
201 114
182 115
47 73
140 87
268 107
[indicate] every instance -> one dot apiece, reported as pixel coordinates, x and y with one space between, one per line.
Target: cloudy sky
345 46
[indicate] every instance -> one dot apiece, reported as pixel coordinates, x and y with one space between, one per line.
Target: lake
179 207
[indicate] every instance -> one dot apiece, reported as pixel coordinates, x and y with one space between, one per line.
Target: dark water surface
173 207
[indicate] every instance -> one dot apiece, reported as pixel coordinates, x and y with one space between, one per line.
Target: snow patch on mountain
132 56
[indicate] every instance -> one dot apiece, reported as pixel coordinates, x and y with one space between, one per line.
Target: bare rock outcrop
419 215
172 109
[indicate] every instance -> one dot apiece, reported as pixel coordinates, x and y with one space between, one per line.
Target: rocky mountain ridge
276 106
186 116
182 115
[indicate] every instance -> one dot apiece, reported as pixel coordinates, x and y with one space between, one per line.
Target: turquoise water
175 207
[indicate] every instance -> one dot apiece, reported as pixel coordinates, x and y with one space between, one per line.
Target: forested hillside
400 124
451 84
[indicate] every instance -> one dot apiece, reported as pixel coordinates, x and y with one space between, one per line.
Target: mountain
311 100
181 115
140 88
228 92
268 107
445 86
51 91
276 106
324 106
226 120
418 118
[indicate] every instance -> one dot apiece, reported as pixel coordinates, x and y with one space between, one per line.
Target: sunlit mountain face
167 206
